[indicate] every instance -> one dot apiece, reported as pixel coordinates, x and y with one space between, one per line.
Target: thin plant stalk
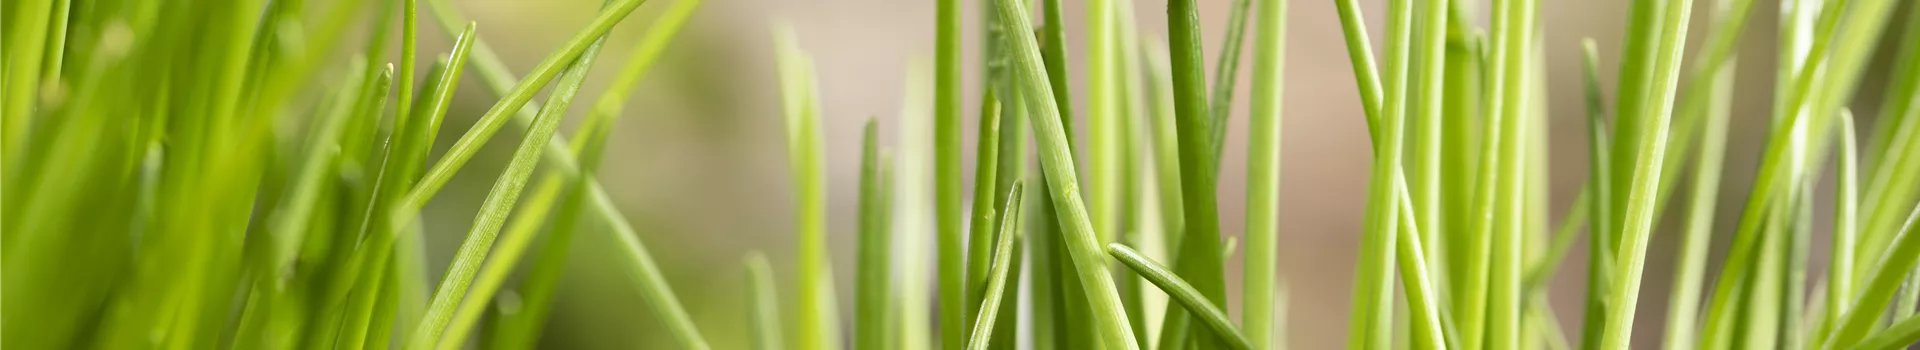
1109 320
815 318
989 308
1188 297
498 204
873 277
1263 176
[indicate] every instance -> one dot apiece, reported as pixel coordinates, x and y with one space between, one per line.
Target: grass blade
946 174
498 204
762 304
1184 293
875 258
1263 175
982 227
1109 320
1871 305
997 277
1199 260
1601 242
1225 73
798 83
511 101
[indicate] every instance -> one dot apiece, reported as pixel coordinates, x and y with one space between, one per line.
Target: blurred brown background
698 162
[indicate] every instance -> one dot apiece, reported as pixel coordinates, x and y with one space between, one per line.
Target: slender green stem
982 228
1188 297
1109 320
499 202
1703 198
1260 266
997 277
875 258
816 319
1601 243
1199 260
946 174
1637 226
1869 307
1226 71
483 129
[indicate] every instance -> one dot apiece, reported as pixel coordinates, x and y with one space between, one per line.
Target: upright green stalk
1089 264
1226 71
989 308
1637 225
983 227
816 320
1425 116
1263 177
1684 300
871 314
1600 243
1199 260
946 174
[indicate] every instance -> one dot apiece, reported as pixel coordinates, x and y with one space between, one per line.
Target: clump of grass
153 199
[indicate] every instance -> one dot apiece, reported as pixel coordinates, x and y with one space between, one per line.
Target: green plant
192 175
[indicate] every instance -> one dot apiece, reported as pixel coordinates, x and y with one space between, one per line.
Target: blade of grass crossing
498 204
989 307
982 227
1869 307
1186 294
1109 320
1199 260
512 100
1637 225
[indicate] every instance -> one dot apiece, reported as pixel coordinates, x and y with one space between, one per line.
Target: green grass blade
1199 260
1846 234
1423 299
525 325
1104 178
511 101
997 277
1869 307
1601 242
409 44
498 204
1426 118
1261 264
1109 320
875 258
1690 272
798 83
982 226
1902 334
948 218
1188 297
1893 153
1648 147
1225 73
762 304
